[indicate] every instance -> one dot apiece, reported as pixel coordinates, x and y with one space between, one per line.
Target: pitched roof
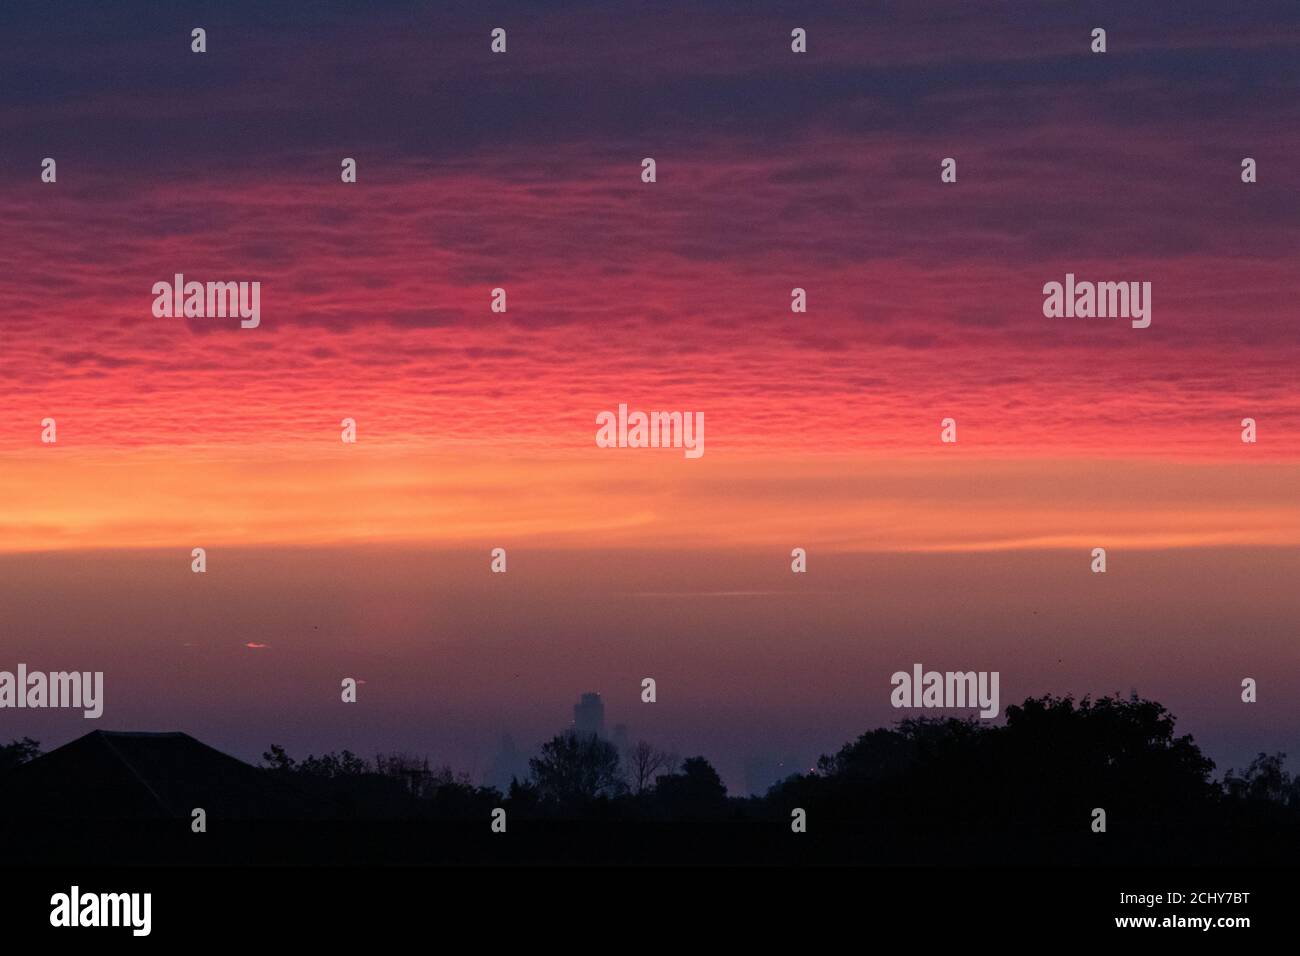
147 776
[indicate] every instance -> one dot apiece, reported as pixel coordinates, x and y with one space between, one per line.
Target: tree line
1052 762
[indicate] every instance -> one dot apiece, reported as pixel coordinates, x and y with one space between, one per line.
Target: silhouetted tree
447 794
1109 752
574 769
1264 781
341 764
1052 761
277 759
18 752
522 797
413 771
644 761
694 793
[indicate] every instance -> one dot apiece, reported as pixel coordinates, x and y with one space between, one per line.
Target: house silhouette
111 775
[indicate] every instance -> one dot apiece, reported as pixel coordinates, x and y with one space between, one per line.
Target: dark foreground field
557 842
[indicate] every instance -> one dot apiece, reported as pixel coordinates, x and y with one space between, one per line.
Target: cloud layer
521 171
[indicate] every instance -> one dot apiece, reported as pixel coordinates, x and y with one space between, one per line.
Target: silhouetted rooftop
146 776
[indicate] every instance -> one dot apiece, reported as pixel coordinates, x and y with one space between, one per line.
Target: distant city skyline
589 715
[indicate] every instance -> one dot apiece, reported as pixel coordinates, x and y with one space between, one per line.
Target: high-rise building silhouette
589 716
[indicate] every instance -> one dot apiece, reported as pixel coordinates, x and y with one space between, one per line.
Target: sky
476 429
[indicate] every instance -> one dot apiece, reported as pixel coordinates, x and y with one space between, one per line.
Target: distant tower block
589 716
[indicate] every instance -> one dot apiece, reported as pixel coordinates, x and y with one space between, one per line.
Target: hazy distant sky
476 430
